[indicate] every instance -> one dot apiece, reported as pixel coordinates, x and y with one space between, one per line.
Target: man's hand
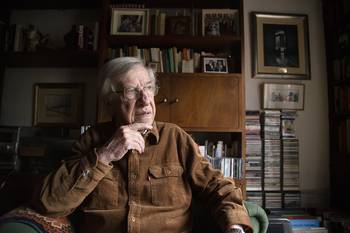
127 137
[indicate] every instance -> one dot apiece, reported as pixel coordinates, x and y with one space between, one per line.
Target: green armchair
25 220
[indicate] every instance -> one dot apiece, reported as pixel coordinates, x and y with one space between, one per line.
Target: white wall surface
312 122
17 96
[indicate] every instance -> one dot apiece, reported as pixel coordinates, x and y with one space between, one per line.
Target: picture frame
129 21
155 66
220 22
283 96
214 65
178 25
280 46
58 104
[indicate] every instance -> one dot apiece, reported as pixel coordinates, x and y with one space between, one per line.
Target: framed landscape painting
58 104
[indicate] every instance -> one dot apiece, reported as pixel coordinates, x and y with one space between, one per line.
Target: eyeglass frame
136 90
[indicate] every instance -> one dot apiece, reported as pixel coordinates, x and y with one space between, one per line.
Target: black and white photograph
280 46
215 65
219 22
128 21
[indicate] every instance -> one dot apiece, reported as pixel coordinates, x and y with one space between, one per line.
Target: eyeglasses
132 93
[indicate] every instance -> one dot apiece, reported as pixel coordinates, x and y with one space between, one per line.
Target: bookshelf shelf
196 42
52 59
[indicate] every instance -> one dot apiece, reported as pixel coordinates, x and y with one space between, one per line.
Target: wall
17 97
312 122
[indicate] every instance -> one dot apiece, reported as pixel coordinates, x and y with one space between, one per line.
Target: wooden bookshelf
337 33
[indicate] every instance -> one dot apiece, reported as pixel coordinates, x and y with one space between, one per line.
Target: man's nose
144 98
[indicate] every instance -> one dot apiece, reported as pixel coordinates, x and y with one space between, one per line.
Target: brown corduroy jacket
141 193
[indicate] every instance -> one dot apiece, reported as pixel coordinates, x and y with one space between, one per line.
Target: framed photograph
155 66
280 46
58 104
215 65
178 25
125 21
283 96
219 22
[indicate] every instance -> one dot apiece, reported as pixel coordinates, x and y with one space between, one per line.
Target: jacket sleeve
218 194
64 189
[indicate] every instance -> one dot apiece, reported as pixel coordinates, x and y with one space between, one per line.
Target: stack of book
290 145
304 223
253 163
272 143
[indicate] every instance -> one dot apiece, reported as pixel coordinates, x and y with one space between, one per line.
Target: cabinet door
206 101
162 99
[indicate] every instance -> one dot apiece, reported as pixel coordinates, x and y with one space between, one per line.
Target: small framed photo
58 104
280 46
178 25
219 22
283 96
125 21
215 65
155 66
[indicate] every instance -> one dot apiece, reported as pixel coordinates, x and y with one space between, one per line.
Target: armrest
26 220
258 217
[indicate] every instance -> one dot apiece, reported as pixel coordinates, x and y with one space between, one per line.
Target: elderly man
134 174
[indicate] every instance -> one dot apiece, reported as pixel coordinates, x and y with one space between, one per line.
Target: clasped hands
127 137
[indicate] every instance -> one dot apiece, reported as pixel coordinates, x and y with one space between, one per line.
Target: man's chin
147 120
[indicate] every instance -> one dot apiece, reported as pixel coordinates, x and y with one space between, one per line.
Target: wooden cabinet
201 102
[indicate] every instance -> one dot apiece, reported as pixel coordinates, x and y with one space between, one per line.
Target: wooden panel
162 99
206 101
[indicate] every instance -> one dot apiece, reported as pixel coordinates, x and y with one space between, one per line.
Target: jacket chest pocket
105 195
167 185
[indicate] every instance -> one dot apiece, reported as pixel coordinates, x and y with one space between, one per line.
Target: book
311 230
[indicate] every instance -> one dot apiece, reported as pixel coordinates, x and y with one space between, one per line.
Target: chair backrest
26 220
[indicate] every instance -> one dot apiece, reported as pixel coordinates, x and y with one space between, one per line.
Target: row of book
137 20
223 156
168 60
230 167
19 38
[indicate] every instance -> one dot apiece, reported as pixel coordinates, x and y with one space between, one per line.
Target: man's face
138 110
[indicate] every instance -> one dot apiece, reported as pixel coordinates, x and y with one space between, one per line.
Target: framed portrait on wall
280 45
278 96
58 104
